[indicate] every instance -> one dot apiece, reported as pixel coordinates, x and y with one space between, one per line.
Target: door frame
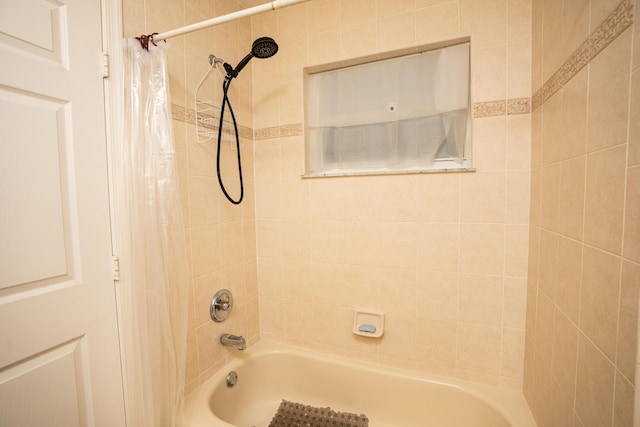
113 45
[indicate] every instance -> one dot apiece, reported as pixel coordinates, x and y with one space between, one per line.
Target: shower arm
276 4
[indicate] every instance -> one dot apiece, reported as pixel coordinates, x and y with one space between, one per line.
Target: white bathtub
268 373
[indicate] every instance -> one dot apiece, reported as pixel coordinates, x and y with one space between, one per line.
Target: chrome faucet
233 341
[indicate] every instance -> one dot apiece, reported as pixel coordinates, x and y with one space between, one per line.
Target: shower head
264 47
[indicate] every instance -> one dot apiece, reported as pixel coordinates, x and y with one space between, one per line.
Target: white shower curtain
154 284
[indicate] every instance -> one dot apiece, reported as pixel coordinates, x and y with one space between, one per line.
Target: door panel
59 352
61 368
34 243
35 27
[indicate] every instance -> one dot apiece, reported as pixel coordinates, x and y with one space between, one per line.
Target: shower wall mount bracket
221 305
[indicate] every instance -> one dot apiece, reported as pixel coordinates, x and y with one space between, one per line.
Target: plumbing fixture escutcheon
221 305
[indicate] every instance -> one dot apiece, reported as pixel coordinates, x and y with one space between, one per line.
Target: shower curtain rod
276 4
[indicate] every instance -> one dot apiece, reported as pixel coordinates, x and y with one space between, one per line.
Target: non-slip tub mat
292 414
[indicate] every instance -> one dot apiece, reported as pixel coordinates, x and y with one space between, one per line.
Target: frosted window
409 113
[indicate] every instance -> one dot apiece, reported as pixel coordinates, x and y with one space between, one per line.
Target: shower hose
225 101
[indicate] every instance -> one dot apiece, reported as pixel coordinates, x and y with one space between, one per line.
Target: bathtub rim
510 404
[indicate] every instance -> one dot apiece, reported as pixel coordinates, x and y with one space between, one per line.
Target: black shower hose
225 101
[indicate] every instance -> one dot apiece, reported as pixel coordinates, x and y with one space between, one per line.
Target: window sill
333 174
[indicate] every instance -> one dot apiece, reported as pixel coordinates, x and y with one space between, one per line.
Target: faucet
233 341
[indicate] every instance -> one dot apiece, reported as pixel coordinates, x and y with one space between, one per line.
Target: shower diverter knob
221 305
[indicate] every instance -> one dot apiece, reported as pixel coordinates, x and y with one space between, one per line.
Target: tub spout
233 341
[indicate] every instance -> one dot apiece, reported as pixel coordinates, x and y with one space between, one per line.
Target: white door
59 354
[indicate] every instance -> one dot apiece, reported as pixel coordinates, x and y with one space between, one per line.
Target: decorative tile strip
567 71
518 106
291 130
500 108
206 121
279 131
178 113
536 101
245 132
614 25
188 116
480 109
267 133
489 109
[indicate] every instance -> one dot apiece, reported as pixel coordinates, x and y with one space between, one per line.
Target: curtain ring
145 39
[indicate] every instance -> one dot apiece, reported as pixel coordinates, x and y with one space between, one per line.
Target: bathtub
268 373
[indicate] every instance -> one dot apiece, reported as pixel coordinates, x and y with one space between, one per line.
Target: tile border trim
614 25
283 131
480 110
500 108
208 122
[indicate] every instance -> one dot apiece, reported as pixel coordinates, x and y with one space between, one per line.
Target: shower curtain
154 290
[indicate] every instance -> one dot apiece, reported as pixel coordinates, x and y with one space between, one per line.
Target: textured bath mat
292 414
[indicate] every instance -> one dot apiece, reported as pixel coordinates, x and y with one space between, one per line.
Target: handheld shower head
264 47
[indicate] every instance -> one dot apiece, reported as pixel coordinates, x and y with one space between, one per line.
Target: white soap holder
368 323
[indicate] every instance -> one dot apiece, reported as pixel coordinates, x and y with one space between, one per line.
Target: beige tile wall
584 266
447 266
443 255
221 236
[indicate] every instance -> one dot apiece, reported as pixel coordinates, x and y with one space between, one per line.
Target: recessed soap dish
368 323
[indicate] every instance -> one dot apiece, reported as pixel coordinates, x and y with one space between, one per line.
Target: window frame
443 165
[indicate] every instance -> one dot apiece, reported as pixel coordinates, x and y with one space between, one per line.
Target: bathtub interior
387 399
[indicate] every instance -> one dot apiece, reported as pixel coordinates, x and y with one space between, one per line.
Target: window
403 114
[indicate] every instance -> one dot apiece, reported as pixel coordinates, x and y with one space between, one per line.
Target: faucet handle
221 305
